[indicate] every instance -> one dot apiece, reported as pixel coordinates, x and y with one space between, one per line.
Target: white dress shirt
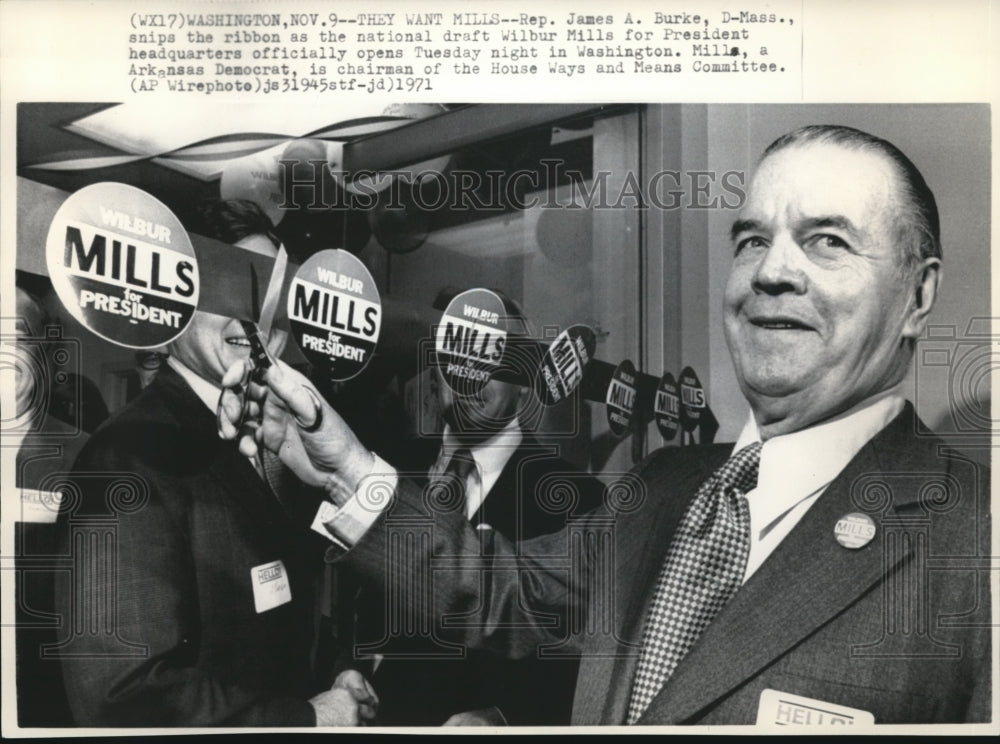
796 468
490 457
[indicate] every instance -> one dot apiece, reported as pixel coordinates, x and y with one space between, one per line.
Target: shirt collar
490 455
794 466
207 391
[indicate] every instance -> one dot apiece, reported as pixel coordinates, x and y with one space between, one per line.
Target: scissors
260 359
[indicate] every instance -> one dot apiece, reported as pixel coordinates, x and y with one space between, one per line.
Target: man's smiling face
817 304
212 343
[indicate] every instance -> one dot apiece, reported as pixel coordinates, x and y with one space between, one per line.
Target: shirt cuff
348 524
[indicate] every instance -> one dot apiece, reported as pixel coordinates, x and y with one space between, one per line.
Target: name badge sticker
40 507
777 708
270 586
123 265
335 313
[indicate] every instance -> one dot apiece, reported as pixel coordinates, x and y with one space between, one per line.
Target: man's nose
781 268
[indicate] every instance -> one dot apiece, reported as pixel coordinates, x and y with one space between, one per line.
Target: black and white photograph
368 409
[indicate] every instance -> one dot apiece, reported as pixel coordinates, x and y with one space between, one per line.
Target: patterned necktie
273 471
702 571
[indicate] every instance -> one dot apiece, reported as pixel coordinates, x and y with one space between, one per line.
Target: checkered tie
703 569
273 471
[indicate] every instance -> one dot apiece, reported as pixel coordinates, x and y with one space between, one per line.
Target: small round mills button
854 530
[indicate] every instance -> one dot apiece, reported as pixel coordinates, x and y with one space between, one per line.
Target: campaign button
854 530
335 313
620 398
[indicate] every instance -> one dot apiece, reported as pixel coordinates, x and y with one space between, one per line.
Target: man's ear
927 280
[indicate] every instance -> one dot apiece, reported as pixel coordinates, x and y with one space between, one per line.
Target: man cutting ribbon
729 591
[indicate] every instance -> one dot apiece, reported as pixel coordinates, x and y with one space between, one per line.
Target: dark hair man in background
784 579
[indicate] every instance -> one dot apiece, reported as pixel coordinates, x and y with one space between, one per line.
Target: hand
288 406
482 717
337 707
354 682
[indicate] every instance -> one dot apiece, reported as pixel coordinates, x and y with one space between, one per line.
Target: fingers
229 412
293 390
371 692
256 391
336 707
248 438
228 415
354 681
235 374
362 691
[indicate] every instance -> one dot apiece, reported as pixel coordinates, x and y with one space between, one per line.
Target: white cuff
348 524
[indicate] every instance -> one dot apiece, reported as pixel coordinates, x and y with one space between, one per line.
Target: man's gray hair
917 228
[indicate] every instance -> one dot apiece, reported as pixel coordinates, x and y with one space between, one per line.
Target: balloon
565 235
399 225
256 177
304 232
315 188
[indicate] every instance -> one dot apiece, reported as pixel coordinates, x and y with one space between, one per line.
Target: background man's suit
183 584
527 691
811 621
44 460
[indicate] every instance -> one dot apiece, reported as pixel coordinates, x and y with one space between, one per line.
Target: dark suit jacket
525 502
160 621
899 627
44 460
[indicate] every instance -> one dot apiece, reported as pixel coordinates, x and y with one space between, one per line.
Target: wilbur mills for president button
854 530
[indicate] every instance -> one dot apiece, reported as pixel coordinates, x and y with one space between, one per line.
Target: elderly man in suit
205 603
783 580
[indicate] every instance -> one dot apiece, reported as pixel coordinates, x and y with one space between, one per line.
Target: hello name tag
784 709
270 586
39 507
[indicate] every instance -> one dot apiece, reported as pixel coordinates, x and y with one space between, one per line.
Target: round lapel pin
854 530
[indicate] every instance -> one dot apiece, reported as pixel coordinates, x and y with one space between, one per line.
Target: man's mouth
780 324
238 341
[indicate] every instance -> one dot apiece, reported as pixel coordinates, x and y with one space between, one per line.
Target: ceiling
184 154
178 153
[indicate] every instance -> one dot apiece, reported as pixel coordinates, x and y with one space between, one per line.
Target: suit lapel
643 537
808 580
236 476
